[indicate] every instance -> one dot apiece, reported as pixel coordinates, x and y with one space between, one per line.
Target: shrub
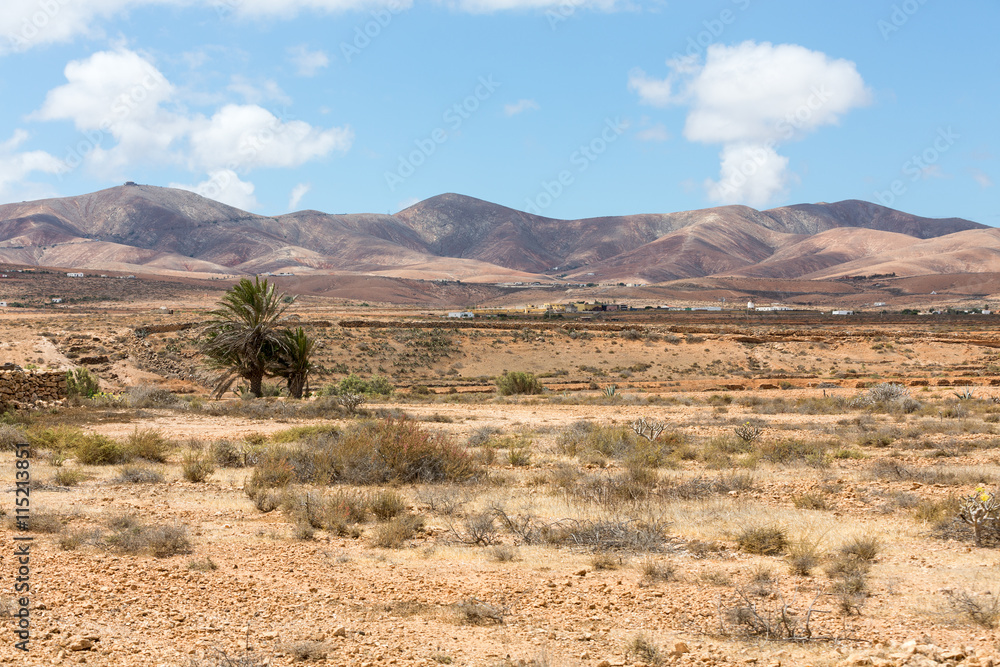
644 650
887 396
94 449
129 535
982 610
658 570
393 534
69 476
518 382
10 436
133 474
865 548
762 540
196 467
386 504
146 396
80 382
148 444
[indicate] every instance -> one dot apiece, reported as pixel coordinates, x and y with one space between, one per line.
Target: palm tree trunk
256 381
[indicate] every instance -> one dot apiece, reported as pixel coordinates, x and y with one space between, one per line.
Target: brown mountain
162 230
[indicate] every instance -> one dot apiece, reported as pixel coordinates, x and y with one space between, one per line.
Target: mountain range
148 229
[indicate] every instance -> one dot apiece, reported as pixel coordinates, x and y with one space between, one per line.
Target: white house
75 275
465 315
842 312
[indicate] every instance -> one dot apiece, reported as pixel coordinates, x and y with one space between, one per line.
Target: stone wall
17 386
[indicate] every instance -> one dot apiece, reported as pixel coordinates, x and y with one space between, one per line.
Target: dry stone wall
19 387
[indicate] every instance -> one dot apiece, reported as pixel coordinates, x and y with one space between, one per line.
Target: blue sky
567 108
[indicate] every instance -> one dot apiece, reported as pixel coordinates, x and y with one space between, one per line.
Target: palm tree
292 362
244 338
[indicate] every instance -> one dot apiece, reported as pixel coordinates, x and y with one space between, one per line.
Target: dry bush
304 650
762 540
982 609
69 476
71 540
517 383
699 487
148 444
604 560
40 521
865 548
131 536
477 612
205 564
386 504
503 553
138 474
146 396
654 571
196 467
644 650
393 534
803 557
10 436
608 535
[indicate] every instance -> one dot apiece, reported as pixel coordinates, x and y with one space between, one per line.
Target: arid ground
777 509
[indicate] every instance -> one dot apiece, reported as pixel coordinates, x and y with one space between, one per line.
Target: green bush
353 384
518 382
95 449
81 382
149 444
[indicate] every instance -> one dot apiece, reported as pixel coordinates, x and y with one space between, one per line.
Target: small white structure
464 315
842 312
879 304
56 300
74 275
751 305
3 304
987 312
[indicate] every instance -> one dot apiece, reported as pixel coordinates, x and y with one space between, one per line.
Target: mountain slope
456 237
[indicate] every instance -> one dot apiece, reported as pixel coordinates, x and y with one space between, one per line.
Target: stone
341 631
680 648
78 643
604 663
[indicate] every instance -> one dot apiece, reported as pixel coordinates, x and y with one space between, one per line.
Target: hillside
452 237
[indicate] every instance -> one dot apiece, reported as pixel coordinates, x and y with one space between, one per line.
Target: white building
75 275
465 315
842 312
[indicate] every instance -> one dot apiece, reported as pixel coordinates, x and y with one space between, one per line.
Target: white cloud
307 63
298 192
751 98
520 107
16 167
982 178
657 132
249 136
749 174
655 92
255 93
120 98
224 185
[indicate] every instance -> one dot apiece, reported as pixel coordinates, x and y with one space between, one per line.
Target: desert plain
723 488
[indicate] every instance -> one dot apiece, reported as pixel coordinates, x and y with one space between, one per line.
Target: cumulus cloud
119 98
255 93
16 166
224 185
307 63
298 192
750 98
520 107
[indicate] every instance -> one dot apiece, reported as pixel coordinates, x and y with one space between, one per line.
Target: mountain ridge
455 237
